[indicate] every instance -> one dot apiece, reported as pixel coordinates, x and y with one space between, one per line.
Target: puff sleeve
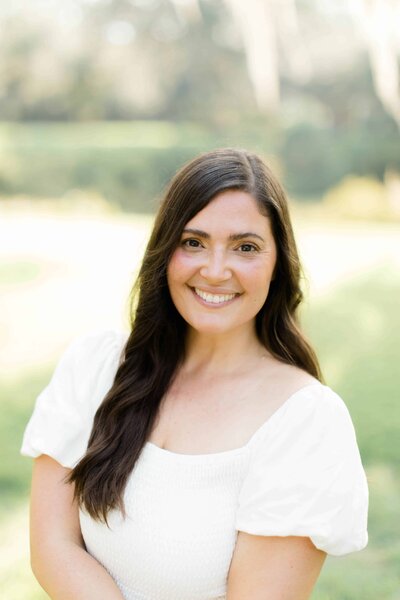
305 476
62 419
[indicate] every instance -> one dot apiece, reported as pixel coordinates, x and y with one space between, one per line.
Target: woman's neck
222 354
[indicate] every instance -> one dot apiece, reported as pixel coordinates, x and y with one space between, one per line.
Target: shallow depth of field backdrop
101 101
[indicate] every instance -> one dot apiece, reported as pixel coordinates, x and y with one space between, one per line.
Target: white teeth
214 298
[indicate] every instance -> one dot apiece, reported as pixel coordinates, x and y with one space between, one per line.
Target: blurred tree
289 77
380 20
191 59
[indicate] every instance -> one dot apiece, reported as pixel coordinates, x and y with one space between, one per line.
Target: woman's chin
207 327
213 326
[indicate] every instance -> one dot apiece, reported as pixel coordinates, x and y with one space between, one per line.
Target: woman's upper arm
272 568
54 516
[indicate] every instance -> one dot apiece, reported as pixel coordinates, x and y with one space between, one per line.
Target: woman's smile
213 299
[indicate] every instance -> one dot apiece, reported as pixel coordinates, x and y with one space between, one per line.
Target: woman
202 457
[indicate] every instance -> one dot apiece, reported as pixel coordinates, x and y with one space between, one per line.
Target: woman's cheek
181 264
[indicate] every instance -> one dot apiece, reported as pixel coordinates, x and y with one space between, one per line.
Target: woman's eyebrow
233 237
239 236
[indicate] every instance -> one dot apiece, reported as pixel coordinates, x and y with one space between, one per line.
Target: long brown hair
154 349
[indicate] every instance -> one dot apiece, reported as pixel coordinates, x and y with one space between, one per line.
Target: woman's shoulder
282 381
311 411
293 396
306 476
63 414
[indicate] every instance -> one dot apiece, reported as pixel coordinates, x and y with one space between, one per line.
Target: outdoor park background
100 102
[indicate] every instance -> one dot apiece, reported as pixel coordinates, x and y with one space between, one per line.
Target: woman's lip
214 292
212 304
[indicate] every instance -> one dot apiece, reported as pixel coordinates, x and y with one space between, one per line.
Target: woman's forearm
60 562
69 572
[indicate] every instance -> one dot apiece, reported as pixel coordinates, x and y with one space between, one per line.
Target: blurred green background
101 101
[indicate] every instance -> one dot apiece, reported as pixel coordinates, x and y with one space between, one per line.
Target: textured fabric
62 420
299 474
306 477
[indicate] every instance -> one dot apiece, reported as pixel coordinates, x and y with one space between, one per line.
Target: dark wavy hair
155 348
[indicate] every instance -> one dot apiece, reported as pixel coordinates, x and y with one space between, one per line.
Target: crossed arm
262 568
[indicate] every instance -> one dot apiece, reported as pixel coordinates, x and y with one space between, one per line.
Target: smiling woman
201 456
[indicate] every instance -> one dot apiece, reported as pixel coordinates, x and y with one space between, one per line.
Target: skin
273 568
59 559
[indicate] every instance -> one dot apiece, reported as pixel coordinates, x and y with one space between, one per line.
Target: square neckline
155 449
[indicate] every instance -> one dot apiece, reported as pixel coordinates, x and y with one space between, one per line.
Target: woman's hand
59 559
272 568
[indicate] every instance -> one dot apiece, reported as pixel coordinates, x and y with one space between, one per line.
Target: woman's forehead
232 211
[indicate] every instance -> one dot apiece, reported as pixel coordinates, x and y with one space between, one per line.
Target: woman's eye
248 248
191 243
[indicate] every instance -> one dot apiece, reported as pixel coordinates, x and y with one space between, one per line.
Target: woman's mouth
213 299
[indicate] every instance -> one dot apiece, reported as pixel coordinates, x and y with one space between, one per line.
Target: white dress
299 474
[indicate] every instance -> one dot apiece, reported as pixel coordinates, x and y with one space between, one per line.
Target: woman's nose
215 267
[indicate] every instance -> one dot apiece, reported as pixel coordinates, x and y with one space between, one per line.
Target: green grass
17 398
17 272
354 329
101 134
127 162
19 584
356 335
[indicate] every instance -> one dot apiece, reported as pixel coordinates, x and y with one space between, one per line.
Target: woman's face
220 273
